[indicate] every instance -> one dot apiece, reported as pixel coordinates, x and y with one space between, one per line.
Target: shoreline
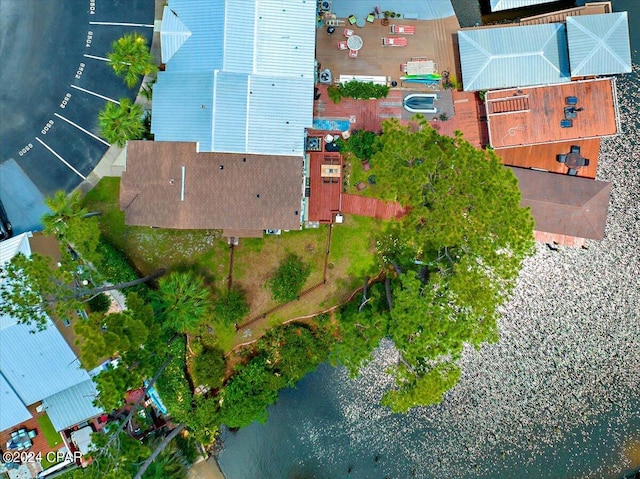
206 469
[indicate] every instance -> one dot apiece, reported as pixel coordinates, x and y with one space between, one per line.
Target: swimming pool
421 103
331 124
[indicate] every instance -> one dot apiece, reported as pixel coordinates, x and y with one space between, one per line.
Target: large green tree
183 301
130 58
454 256
121 122
72 224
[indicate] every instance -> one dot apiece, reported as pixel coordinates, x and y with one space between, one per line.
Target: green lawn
152 248
352 256
47 430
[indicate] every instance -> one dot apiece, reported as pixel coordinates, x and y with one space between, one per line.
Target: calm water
331 427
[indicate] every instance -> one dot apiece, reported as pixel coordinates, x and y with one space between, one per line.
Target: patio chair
575 150
347 32
353 53
342 45
566 123
586 162
571 100
394 42
572 172
403 29
33 433
561 158
352 19
370 18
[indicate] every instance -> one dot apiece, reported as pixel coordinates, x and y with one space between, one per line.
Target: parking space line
96 94
61 159
122 24
83 130
96 58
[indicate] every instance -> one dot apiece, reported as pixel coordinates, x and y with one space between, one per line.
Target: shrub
231 307
99 303
357 90
287 283
362 144
209 368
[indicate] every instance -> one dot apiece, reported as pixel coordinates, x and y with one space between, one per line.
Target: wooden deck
324 197
544 156
593 8
40 445
538 121
372 207
363 114
469 118
434 39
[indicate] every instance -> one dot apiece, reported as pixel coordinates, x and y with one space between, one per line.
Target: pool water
331 125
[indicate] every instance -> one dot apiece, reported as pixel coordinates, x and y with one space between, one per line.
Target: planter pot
384 22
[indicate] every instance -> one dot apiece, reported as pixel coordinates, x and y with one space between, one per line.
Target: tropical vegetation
122 122
130 58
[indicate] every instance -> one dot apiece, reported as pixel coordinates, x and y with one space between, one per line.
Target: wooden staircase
508 105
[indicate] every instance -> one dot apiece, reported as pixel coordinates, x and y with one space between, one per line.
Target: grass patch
152 248
52 437
353 247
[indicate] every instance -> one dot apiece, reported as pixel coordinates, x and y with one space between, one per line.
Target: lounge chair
347 32
352 19
571 100
371 17
342 45
566 123
586 162
394 42
403 29
575 150
353 53
561 158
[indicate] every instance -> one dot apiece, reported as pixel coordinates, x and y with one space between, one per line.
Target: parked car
6 230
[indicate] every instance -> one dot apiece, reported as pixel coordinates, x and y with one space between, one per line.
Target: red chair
353 53
348 32
342 45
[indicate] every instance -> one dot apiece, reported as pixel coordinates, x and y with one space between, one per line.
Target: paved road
53 85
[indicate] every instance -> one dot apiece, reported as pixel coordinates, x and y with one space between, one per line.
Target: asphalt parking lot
54 82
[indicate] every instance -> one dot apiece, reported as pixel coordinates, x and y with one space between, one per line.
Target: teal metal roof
497 5
73 405
37 365
411 9
173 33
513 56
13 410
245 73
599 44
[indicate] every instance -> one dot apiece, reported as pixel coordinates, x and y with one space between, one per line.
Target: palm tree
130 58
119 123
183 301
72 224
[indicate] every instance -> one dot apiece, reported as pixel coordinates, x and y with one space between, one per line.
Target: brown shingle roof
221 190
563 204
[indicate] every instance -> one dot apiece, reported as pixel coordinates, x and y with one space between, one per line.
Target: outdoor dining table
354 42
575 160
20 441
420 67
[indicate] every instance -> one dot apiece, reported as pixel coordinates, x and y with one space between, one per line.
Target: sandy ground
206 470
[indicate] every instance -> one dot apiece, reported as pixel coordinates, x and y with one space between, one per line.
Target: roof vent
172 181
222 167
258 195
244 160
295 212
